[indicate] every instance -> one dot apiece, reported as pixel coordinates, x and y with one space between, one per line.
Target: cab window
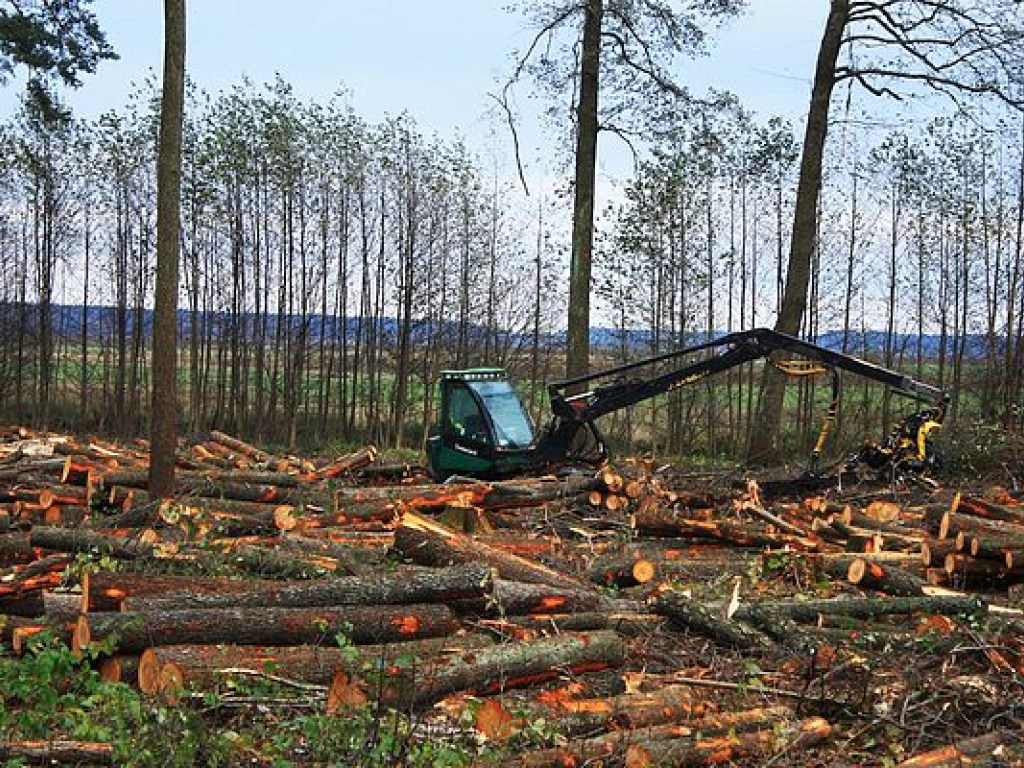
465 419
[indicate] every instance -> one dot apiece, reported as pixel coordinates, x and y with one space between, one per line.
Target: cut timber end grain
884 577
883 511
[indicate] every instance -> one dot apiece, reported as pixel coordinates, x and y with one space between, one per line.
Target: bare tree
626 45
955 47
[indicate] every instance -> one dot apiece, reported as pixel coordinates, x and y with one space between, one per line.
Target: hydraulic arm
485 431
572 433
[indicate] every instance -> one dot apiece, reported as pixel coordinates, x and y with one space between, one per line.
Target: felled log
403 586
362 624
837 564
965 570
198 666
884 577
120 668
58 752
425 542
239 446
509 665
988 749
16 548
934 551
978 507
734 747
653 521
345 464
670 704
529 626
516 598
608 745
265 561
954 522
715 740
691 615
21 590
991 548
622 571
107 591
497 495
807 611
80 540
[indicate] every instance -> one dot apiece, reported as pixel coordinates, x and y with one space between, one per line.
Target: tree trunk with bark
164 426
764 442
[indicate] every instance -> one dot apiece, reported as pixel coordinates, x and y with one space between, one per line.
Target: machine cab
483 429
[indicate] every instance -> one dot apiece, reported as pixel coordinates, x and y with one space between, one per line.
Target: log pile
647 620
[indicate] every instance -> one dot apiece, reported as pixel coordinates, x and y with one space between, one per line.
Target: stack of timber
646 619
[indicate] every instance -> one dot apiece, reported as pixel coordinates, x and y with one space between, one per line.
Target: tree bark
200 665
884 577
578 333
164 426
404 586
764 442
691 615
510 665
273 626
428 543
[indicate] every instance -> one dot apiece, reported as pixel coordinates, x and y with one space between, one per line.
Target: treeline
331 267
293 214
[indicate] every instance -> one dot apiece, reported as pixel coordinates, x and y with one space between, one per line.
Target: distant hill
101 321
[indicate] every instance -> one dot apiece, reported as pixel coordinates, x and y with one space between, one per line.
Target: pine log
670 704
626 624
79 540
238 446
402 586
425 542
807 611
978 507
691 615
934 551
516 598
989 749
654 522
733 738
622 571
264 561
347 464
362 624
965 570
58 752
21 590
837 564
16 548
509 665
676 730
107 591
503 495
795 738
199 666
884 577
992 548
120 668
954 522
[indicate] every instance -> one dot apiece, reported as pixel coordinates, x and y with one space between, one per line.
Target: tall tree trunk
578 338
163 434
764 443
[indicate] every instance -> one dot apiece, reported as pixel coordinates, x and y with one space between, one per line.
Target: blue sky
438 60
